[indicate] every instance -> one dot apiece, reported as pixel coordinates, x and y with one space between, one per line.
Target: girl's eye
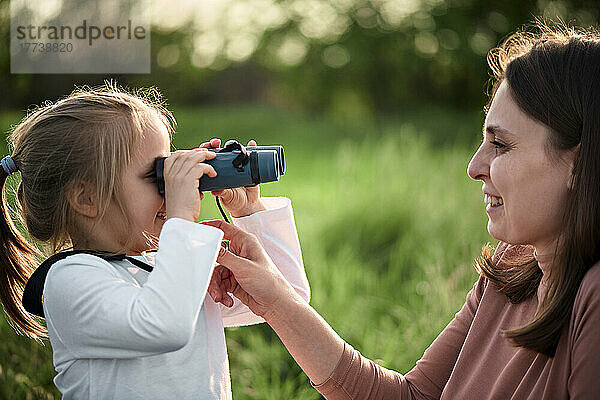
151 177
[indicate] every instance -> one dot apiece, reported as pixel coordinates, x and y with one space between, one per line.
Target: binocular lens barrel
278 149
280 155
264 164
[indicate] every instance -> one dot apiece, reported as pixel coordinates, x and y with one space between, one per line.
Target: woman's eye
497 144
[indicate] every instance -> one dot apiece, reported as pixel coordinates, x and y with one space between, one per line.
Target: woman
530 328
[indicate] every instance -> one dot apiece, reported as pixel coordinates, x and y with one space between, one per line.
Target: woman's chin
495 232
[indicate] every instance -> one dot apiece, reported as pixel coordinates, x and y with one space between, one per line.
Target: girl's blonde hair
89 136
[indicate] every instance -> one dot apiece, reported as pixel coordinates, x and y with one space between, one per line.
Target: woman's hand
241 201
247 272
183 170
251 276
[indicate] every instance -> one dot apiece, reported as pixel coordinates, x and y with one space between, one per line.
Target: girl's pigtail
18 259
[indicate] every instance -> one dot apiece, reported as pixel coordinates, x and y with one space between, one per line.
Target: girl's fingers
182 160
203 169
197 158
227 300
172 163
214 290
211 144
225 195
220 285
203 154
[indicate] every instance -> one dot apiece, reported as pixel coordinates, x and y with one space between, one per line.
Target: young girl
126 321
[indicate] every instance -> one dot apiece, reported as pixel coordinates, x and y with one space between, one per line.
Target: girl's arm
96 313
276 231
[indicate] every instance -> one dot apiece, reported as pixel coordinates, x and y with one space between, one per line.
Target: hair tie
9 165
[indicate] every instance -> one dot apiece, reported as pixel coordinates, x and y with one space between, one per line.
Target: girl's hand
182 172
221 284
247 272
241 201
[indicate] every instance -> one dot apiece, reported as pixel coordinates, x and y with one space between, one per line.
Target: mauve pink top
470 360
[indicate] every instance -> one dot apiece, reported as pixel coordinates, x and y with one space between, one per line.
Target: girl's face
524 190
144 204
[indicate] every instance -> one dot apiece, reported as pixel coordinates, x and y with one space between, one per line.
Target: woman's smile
494 204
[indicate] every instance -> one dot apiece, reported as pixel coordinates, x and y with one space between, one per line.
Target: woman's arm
338 371
315 346
585 345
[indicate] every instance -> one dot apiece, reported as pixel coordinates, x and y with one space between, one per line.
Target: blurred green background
378 104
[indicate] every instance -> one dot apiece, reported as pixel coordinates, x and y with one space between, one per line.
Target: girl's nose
478 167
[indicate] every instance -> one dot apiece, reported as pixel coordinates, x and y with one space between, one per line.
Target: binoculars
236 166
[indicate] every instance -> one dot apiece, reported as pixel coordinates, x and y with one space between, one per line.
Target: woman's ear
572 157
82 197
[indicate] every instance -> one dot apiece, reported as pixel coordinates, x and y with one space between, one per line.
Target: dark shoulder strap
34 289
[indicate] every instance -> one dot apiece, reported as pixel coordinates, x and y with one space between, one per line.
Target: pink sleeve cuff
337 377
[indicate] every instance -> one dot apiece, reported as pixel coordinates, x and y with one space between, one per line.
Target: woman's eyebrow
495 129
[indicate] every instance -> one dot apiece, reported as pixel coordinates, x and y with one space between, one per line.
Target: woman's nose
478 166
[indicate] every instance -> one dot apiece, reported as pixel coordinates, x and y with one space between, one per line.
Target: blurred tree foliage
350 58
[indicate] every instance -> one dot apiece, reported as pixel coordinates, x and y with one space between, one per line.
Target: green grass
389 225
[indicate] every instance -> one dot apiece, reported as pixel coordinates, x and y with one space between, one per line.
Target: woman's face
524 188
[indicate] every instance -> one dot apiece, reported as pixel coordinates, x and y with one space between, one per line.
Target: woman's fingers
241 242
237 264
230 232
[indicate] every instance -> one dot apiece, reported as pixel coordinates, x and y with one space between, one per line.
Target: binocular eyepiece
236 166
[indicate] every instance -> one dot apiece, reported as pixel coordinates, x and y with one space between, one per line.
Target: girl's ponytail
18 259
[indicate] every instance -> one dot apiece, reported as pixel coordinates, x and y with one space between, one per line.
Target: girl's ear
82 197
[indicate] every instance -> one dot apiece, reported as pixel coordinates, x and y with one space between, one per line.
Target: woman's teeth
161 215
492 200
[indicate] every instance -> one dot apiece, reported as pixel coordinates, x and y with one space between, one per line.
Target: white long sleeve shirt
119 332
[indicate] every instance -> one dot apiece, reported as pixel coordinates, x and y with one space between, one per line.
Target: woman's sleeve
585 339
276 231
357 377
95 313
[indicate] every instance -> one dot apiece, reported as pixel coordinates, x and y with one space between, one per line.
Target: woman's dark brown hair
553 74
